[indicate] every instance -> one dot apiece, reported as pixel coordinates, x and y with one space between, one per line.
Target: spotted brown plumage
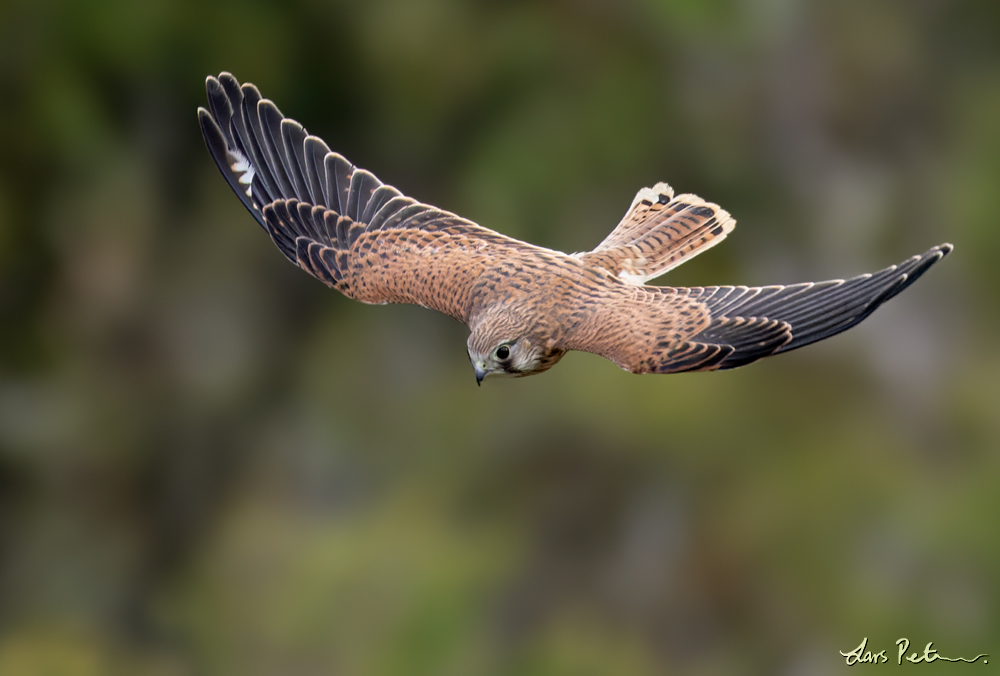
525 305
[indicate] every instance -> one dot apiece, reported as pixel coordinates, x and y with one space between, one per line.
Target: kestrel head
503 343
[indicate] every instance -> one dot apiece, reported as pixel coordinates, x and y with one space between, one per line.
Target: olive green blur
212 464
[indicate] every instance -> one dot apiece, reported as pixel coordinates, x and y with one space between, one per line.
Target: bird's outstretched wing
337 222
658 233
670 330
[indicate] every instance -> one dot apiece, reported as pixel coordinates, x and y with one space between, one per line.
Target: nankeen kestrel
526 306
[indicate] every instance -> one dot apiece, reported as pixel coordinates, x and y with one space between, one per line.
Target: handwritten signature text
862 655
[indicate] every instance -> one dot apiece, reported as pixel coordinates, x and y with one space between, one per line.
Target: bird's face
503 354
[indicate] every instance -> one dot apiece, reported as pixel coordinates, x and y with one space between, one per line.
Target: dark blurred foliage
211 464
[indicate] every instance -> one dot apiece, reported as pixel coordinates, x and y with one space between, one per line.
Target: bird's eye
503 352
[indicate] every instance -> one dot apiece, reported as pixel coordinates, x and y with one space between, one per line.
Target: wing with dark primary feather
343 226
335 221
668 330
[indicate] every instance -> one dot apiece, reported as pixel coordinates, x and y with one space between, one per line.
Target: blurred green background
211 464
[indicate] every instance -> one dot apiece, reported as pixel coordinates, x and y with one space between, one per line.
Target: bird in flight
525 305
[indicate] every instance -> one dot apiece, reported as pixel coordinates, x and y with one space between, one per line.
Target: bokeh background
211 464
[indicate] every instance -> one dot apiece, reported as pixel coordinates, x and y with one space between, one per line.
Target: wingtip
936 253
209 127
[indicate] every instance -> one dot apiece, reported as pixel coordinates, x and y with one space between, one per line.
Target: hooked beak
480 374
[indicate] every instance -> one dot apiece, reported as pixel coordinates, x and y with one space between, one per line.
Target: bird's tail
659 232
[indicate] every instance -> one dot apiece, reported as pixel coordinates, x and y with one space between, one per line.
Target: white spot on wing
633 279
241 165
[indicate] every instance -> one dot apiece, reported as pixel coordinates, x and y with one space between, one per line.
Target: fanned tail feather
658 233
